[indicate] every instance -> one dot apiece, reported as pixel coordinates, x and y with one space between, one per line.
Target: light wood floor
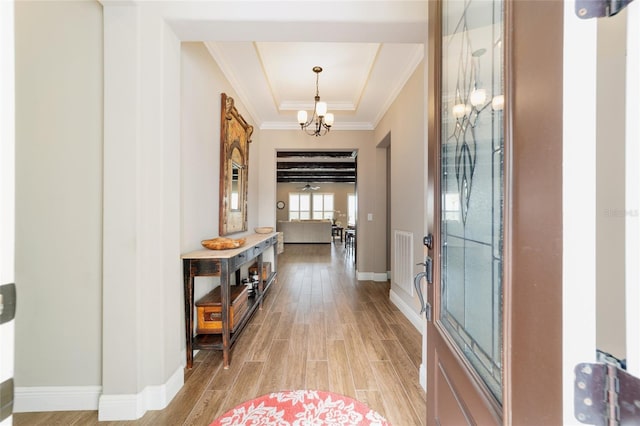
320 329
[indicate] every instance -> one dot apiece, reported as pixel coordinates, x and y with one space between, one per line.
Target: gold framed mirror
235 136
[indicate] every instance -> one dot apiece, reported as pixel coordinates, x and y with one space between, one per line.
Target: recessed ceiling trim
367 78
405 76
226 69
331 106
279 125
264 72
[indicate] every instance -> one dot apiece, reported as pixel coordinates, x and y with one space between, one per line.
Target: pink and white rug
301 408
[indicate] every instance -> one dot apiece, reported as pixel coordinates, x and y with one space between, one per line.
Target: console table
223 263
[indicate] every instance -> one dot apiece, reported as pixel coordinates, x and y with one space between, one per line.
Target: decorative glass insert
472 189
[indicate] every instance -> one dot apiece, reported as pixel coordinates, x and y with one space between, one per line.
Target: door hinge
606 395
7 302
6 399
586 9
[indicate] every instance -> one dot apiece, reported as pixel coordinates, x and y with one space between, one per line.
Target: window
304 206
351 209
451 207
323 206
299 206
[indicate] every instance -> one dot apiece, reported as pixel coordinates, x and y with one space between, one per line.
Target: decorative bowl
264 229
220 243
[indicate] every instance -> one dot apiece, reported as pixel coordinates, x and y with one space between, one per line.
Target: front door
494 344
465 340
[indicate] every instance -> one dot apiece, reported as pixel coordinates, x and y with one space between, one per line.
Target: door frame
579 200
7 184
632 188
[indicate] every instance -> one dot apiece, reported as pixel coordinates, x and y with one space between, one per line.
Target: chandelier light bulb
328 119
302 117
478 97
321 109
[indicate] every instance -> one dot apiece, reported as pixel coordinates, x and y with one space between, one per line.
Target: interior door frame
632 188
7 188
532 284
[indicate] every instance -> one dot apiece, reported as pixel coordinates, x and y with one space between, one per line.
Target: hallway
319 329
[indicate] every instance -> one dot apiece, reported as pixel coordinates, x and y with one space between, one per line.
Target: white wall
141 214
405 122
59 193
202 82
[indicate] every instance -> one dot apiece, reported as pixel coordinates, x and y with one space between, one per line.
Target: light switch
369 217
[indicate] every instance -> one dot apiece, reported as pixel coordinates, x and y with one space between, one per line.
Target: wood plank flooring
320 329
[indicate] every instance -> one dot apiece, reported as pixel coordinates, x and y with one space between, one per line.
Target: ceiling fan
309 187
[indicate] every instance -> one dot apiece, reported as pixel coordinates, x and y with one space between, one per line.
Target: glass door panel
472 164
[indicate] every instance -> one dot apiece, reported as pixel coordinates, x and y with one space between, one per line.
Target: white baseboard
418 322
423 376
408 311
371 276
90 398
56 398
134 406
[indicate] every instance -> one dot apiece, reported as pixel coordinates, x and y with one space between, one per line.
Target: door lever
424 305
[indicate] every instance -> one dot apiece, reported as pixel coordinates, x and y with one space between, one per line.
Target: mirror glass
236 181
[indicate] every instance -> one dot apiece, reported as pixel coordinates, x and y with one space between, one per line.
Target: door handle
425 306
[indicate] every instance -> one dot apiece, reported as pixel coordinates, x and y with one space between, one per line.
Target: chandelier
321 120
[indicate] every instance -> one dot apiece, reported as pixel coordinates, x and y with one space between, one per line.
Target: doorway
318 186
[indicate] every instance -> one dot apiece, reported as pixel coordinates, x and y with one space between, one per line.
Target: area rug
301 408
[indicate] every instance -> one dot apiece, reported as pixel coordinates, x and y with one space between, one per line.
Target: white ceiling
267 49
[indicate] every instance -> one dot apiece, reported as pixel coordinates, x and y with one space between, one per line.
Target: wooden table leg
224 295
188 310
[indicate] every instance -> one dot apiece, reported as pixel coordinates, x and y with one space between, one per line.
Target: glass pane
472 183
317 202
351 208
328 202
305 202
293 202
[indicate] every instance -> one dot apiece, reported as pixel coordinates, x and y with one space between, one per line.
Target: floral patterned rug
301 408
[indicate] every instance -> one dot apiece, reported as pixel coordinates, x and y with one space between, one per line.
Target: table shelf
214 341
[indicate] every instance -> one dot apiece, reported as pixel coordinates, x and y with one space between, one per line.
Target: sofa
305 231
